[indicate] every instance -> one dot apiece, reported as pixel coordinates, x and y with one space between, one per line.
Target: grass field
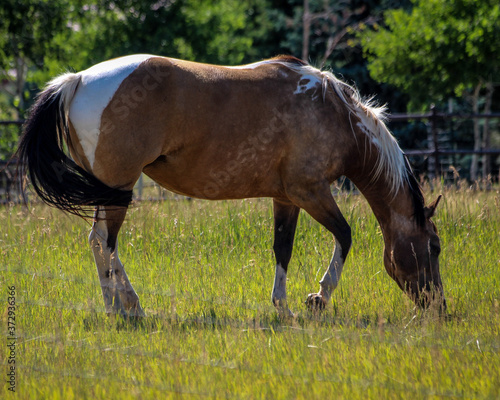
204 273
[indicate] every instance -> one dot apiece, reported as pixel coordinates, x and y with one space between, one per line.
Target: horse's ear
431 208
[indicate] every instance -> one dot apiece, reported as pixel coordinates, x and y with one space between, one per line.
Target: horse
278 128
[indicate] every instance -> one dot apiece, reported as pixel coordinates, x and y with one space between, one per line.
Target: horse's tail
55 177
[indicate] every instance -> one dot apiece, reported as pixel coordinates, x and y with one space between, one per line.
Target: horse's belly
216 180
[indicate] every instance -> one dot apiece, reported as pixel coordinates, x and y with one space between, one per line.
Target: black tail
56 178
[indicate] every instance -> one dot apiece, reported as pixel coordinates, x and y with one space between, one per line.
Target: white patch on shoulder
97 87
308 82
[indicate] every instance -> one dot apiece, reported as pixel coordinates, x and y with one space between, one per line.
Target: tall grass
204 273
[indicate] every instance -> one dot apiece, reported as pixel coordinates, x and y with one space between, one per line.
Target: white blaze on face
97 87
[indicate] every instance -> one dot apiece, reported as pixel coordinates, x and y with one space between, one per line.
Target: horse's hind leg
119 295
319 203
285 222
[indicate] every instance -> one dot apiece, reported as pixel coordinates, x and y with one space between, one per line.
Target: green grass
204 273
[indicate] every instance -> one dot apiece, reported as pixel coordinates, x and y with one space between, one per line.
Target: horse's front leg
329 281
319 203
119 295
285 222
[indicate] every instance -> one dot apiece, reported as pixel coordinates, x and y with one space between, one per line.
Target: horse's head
412 259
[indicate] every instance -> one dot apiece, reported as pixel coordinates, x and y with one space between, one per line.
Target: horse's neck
393 211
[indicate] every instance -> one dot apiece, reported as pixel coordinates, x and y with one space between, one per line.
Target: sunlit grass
204 273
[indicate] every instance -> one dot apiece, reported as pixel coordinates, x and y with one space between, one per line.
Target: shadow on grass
271 321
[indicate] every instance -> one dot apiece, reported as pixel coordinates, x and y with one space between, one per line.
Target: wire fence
436 150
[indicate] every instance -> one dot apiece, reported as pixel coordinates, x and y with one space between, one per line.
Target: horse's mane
392 163
372 123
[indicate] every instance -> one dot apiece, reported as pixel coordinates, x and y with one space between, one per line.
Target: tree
201 30
27 29
317 29
323 33
439 49
52 35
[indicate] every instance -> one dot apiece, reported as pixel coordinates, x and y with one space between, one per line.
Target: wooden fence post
435 143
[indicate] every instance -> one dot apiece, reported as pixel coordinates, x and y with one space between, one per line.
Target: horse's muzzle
428 296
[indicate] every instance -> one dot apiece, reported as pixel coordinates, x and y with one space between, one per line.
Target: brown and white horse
277 128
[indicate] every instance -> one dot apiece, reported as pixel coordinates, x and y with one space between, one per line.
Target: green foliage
27 28
331 21
48 37
219 32
8 140
204 272
37 39
438 49
8 133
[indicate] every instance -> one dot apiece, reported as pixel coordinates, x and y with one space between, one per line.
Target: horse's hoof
282 309
315 302
285 313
